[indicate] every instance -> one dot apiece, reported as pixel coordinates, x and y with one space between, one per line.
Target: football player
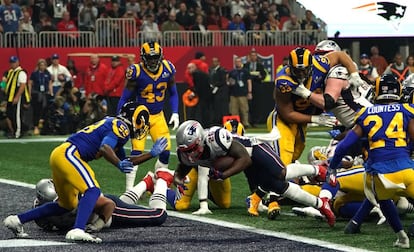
388 126
123 215
73 176
196 146
149 82
341 96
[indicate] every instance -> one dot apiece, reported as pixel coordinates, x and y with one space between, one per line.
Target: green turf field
28 162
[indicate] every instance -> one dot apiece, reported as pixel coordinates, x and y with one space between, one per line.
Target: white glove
356 80
174 119
324 120
302 91
202 211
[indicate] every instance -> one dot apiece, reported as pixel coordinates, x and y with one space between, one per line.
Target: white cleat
13 223
79 235
402 243
262 207
202 211
307 211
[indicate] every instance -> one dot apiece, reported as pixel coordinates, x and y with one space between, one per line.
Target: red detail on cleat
148 179
322 169
326 210
166 175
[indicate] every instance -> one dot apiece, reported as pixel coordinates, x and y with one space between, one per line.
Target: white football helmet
326 46
189 137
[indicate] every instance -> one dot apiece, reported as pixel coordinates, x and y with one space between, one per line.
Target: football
222 163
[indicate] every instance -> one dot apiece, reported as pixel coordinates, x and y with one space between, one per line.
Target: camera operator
94 109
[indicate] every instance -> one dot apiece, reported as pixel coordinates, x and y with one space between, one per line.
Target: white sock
202 183
130 178
132 196
325 194
159 198
297 170
159 164
294 192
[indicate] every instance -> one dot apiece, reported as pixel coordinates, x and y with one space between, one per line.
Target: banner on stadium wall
271 56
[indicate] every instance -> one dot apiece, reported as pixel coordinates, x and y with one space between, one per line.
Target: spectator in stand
263 12
87 16
114 85
59 74
378 60
143 6
59 7
237 7
309 25
220 91
95 76
45 23
270 26
257 75
38 7
25 24
171 25
223 9
131 28
292 24
238 28
151 9
116 11
284 9
132 5
240 89
172 6
203 38
200 63
162 14
273 10
150 29
67 25
366 68
212 17
183 17
250 20
73 7
410 63
398 68
40 84
10 14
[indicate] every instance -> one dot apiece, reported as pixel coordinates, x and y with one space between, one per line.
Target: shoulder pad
338 72
169 66
120 129
219 141
133 71
285 84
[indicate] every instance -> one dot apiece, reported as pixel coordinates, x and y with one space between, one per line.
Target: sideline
221 223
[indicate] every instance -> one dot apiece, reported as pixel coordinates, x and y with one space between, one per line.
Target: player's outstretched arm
157 148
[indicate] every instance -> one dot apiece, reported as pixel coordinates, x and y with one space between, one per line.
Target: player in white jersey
196 146
341 96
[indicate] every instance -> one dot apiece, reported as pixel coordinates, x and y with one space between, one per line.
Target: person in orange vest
399 69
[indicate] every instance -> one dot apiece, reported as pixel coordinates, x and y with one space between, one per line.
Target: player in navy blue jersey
388 127
73 176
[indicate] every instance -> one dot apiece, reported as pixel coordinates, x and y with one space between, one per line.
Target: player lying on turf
196 146
118 213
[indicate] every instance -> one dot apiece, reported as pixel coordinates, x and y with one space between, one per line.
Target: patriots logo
390 11
267 61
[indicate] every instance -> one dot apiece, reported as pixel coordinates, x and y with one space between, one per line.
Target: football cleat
352 228
79 235
165 174
402 241
252 203
326 210
307 211
322 169
262 207
273 210
13 223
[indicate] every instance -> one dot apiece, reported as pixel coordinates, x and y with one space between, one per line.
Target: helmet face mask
151 55
387 89
189 137
300 63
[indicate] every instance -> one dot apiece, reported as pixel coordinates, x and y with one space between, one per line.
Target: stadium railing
123 33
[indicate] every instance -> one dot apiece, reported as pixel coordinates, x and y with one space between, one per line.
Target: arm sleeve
342 149
124 98
110 140
173 98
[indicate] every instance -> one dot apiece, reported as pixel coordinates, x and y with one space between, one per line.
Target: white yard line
340 247
17 243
